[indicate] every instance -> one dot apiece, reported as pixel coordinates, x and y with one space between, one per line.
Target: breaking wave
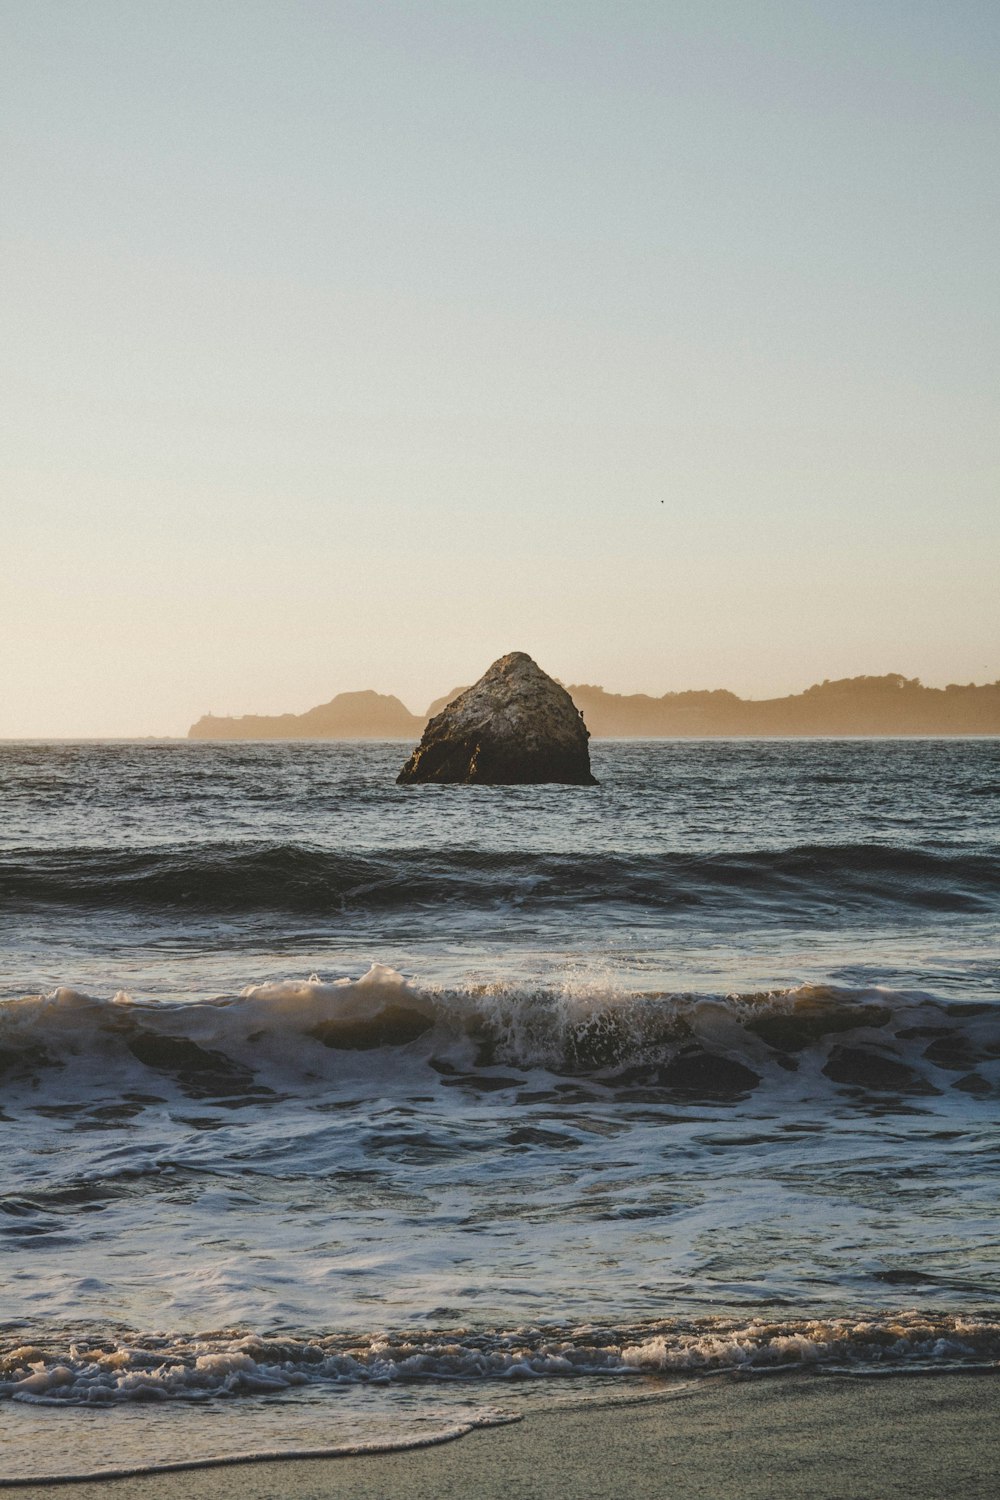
303 1033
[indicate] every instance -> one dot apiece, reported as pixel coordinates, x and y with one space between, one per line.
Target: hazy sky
352 344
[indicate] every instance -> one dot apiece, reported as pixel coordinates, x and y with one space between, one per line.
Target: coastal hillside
889 705
348 716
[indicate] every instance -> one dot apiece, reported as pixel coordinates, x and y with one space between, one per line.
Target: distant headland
870 706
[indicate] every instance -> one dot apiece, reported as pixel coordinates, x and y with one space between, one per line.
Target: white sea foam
106 1370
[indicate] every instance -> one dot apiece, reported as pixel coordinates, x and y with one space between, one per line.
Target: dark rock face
515 726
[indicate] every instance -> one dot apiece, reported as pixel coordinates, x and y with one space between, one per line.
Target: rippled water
318 1092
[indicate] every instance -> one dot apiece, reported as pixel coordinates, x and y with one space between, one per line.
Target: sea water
338 1114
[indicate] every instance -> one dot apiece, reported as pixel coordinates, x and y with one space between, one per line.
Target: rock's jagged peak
511 693
510 676
516 725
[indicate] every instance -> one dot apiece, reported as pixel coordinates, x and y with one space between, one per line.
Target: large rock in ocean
516 725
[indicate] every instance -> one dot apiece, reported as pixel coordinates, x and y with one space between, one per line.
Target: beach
807 1437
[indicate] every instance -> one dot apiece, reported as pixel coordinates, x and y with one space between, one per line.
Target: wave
95 1368
301 1034
234 878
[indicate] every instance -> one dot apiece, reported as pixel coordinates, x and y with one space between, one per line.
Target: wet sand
808 1438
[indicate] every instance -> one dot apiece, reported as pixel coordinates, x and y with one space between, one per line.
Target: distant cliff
873 706
349 716
890 705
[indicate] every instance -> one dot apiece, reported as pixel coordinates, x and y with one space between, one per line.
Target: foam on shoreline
101 1370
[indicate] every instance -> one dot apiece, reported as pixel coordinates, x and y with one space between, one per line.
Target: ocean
339 1115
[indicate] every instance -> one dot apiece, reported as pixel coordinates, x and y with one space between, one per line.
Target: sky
350 345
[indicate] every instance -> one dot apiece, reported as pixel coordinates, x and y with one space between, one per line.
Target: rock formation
514 726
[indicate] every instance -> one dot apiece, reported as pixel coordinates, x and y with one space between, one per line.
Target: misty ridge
869 706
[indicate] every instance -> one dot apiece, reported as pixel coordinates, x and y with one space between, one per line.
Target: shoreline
814 1437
